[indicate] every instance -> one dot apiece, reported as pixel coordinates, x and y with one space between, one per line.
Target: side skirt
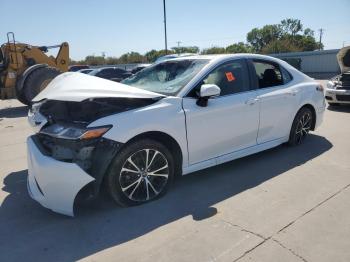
234 155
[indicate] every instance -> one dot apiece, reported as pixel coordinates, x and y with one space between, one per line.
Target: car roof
108 67
218 57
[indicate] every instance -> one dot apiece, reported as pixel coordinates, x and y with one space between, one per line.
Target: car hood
343 57
77 87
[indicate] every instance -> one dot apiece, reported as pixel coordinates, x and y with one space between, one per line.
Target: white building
317 64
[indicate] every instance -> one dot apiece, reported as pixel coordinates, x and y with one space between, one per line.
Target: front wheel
141 172
301 126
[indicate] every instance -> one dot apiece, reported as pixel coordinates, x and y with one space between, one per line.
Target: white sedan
172 118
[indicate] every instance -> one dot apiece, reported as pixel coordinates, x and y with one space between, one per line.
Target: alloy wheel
144 175
303 127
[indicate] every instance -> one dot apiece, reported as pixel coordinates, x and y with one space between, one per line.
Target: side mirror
207 91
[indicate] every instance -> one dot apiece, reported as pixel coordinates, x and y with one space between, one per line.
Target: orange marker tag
230 77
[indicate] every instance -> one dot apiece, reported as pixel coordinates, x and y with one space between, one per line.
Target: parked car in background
338 88
74 68
139 68
111 73
172 56
85 71
171 118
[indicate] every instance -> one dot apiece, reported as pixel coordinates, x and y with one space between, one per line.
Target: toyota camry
172 118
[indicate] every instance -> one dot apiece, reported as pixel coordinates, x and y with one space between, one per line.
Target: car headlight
74 133
331 85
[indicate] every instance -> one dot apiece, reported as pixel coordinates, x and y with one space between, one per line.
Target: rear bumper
319 115
338 96
54 184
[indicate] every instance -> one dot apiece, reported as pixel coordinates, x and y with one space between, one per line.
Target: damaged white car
338 88
172 118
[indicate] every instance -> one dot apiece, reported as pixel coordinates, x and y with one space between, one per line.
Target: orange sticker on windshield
230 77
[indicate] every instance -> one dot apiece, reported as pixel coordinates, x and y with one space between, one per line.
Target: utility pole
165 34
321 34
178 46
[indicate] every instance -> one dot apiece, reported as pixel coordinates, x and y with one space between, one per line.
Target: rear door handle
251 101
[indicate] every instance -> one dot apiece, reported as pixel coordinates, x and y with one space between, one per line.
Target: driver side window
231 77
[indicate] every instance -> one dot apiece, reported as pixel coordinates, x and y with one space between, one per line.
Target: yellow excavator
25 70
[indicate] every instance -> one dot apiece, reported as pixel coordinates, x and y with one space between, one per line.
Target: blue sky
117 27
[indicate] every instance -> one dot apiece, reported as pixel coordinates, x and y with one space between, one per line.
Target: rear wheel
141 172
302 124
35 82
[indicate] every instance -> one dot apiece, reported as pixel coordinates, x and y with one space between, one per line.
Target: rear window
287 77
268 74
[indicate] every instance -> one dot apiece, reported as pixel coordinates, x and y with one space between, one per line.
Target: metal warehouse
321 64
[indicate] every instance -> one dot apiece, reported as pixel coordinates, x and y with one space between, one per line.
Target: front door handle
251 101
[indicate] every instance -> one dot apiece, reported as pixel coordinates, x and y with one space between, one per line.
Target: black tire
301 126
119 182
20 92
35 82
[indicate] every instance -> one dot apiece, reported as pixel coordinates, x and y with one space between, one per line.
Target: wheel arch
168 141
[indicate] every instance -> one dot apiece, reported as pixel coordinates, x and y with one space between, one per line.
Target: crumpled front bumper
54 184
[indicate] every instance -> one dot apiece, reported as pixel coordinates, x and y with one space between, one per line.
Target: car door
229 122
278 100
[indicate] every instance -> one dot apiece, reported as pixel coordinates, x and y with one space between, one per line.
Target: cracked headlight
75 133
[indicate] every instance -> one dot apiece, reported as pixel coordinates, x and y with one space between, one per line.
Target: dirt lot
285 204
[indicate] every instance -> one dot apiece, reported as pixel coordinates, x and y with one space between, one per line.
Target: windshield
168 77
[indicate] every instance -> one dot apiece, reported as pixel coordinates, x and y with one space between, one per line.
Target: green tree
258 38
94 60
186 49
288 36
280 46
291 26
131 58
214 50
239 47
152 55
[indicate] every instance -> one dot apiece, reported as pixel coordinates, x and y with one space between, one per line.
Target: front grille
343 98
